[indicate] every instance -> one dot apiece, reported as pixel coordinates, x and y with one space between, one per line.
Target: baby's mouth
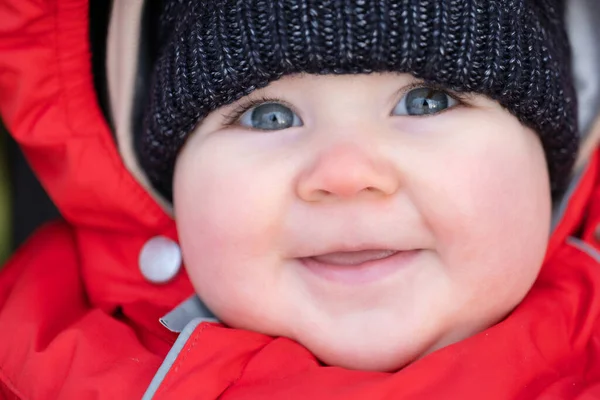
353 257
359 267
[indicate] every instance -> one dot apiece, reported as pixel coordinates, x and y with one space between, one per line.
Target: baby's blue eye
270 117
424 101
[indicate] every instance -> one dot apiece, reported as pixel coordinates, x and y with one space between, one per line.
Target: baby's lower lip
359 267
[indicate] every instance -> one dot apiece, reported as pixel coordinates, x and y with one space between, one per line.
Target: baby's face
327 210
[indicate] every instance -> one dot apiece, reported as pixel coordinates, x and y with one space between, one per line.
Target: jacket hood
89 168
48 103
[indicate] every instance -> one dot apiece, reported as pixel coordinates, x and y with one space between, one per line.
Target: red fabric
78 321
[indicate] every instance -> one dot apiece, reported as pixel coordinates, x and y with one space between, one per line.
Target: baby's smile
359 266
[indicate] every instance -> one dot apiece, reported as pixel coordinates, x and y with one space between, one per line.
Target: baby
361 191
329 196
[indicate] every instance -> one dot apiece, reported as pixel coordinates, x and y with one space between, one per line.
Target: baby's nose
346 171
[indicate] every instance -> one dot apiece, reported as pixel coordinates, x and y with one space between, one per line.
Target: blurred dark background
26 204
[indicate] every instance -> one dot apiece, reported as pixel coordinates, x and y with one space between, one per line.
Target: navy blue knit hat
210 53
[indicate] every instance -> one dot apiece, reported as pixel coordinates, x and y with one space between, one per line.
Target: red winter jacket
78 320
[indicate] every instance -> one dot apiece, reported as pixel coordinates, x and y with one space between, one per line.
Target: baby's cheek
512 235
222 195
227 220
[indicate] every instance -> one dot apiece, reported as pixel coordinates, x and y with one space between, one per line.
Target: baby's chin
368 358
386 352
348 348
367 354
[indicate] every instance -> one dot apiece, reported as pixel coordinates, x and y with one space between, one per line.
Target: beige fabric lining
122 56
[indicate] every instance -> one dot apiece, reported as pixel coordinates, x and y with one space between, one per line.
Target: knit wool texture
213 52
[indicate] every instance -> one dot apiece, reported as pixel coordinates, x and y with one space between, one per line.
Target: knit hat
210 53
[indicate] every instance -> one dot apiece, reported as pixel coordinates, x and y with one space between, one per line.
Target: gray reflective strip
191 309
586 248
559 211
170 358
